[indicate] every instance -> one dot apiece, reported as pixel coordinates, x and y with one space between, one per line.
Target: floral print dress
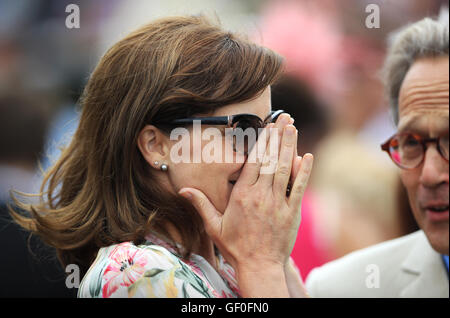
155 269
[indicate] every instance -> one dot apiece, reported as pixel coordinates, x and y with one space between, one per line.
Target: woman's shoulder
129 270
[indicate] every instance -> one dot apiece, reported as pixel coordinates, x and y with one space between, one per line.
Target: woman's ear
153 145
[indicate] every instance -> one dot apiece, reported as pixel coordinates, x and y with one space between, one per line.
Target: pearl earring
164 167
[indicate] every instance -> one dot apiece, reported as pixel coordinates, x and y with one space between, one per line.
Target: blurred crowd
332 88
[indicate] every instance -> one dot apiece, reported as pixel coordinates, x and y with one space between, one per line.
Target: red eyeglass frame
423 141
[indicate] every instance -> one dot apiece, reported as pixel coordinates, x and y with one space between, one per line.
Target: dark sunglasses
238 121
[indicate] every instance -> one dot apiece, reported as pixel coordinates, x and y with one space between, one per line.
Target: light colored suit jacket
403 267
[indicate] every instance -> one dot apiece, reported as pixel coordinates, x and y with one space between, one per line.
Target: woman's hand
257 231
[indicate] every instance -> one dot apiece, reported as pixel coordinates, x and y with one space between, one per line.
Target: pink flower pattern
225 270
127 265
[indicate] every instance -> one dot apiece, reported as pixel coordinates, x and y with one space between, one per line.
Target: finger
301 181
212 219
250 170
294 160
285 162
297 161
282 121
270 159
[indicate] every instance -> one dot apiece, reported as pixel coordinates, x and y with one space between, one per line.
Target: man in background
416 265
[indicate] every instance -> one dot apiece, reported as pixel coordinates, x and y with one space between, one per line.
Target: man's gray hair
425 38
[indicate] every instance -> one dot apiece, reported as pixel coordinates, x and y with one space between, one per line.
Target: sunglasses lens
245 133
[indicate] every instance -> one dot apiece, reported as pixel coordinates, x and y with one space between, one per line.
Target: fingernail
185 194
285 119
290 130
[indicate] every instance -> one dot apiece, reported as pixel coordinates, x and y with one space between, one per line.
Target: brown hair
100 191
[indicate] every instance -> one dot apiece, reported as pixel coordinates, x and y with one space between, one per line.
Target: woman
139 223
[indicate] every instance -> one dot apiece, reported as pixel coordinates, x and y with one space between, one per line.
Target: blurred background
332 88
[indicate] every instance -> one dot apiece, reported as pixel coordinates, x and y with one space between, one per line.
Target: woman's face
214 179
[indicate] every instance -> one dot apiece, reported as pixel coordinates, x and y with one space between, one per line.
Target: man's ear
153 145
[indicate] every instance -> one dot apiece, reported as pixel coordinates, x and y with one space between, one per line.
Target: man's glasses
238 122
407 150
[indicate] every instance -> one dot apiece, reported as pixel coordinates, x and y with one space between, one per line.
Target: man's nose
434 169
